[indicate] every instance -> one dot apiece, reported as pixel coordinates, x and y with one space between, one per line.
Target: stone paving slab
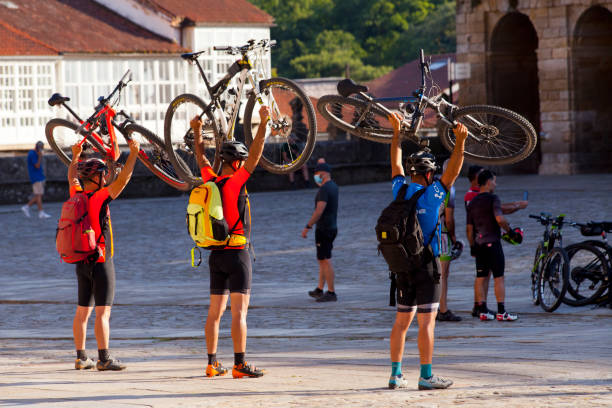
315 355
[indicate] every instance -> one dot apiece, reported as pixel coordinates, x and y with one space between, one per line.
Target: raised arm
456 159
196 127
514 206
257 146
123 178
396 146
73 179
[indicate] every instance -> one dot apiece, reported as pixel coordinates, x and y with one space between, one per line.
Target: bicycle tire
178 137
272 158
550 279
535 273
69 138
519 136
154 156
595 271
376 128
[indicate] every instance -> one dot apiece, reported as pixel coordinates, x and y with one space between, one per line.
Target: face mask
318 179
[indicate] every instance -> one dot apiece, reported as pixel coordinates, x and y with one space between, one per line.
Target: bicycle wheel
497 135
553 279
535 273
292 129
61 136
154 156
178 137
588 274
357 117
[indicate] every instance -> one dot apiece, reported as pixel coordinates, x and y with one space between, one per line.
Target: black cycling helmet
234 150
421 162
86 169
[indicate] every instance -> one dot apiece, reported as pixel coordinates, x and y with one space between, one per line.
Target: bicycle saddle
347 87
191 56
57 99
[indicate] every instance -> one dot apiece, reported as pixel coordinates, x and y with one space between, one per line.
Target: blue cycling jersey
428 208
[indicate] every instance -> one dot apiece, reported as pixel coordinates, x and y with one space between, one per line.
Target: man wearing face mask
324 216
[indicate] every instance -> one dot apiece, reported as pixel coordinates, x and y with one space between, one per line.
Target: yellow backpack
205 221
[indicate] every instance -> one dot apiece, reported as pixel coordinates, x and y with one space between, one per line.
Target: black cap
322 167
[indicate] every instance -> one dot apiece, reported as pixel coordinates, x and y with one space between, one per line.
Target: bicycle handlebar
251 45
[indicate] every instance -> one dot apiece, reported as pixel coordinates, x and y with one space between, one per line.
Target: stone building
550 60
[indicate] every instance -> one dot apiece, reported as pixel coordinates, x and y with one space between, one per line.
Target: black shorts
325 243
420 290
230 271
96 283
490 258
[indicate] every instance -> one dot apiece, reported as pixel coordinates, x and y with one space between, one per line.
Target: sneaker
42 214
434 382
84 364
246 370
503 317
215 369
487 316
476 312
110 365
317 293
328 297
448 316
26 210
397 381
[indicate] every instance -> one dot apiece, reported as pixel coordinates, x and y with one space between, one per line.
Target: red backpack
75 238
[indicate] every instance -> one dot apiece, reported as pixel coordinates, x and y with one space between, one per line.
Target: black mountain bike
291 131
590 266
97 136
496 135
550 266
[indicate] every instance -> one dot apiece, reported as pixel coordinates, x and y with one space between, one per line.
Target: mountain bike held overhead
495 135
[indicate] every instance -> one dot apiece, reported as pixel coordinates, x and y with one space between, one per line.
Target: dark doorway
592 82
513 75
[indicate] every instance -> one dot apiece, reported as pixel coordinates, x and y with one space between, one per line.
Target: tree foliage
321 37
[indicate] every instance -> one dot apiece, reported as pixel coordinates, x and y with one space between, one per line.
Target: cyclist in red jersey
96 278
230 267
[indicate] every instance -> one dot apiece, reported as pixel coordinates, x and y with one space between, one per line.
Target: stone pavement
315 354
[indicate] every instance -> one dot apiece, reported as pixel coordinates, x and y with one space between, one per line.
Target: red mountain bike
97 135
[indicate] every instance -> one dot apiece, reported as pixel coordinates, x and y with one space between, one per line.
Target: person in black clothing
324 216
485 220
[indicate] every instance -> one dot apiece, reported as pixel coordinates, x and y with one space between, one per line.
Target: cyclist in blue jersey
421 294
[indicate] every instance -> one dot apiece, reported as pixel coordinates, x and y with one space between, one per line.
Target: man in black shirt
484 223
324 216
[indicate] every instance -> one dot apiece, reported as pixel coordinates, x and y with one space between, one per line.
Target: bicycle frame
244 68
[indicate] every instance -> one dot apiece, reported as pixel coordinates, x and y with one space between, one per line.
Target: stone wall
555 22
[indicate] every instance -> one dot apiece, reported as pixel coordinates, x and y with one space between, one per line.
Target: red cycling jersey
236 208
99 216
471 193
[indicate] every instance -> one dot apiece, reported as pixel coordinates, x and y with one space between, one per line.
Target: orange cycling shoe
246 370
215 369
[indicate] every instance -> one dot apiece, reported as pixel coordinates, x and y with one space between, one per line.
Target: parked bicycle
590 266
549 274
496 135
291 129
97 135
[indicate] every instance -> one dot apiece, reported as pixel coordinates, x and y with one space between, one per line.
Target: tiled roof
212 11
15 42
75 26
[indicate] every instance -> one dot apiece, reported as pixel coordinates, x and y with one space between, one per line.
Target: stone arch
592 90
512 73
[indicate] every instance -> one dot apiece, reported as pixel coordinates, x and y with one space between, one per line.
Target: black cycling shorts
96 283
420 290
490 259
325 243
230 271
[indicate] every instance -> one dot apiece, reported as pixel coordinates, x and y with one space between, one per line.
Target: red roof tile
15 42
79 26
212 11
